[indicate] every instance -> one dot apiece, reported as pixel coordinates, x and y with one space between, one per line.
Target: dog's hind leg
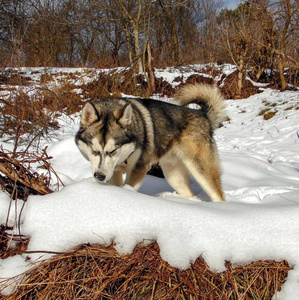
204 166
177 175
209 182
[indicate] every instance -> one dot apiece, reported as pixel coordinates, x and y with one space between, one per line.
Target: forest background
257 36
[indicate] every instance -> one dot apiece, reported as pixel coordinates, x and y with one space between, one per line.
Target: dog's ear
89 115
124 116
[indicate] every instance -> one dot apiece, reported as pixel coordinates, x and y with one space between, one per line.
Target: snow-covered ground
260 220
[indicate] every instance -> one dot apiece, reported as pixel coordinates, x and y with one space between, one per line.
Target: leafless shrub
18 179
114 83
24 118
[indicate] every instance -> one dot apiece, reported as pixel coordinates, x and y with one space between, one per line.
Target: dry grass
27 116
267 113
114 83
98 272
230 87
23 115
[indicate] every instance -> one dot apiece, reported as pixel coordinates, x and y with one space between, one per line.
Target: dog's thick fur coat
128 135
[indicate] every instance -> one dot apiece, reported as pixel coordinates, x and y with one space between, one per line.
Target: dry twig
17 172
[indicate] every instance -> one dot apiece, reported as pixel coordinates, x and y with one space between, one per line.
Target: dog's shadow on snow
159 187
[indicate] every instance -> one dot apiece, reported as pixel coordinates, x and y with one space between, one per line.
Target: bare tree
285 17
263 54
239 33
171 10
209 11
278 20
13 28
174 32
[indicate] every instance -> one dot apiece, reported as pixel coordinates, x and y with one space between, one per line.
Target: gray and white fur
128 135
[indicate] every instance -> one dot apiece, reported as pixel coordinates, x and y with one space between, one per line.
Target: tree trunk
240 77
175 45
281 73
240 83
282 44
129 47
137 49
150 69
259 73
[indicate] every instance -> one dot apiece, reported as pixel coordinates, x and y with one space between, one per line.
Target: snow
170 74
260 220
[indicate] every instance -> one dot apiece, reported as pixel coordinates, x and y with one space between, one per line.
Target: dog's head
104 137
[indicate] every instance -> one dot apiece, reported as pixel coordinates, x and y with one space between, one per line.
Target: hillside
258 148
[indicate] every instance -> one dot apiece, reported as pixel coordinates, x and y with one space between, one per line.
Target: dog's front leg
117 178
136 176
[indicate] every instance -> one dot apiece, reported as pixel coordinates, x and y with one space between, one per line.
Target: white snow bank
10 267
98 213
89 211
13 207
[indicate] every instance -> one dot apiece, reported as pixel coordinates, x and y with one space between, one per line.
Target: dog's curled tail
209 98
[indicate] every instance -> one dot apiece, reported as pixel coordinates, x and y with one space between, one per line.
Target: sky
231 4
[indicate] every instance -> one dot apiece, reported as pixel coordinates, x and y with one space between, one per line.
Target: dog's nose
99 176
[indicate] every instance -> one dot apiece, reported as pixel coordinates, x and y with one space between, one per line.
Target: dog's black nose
99 176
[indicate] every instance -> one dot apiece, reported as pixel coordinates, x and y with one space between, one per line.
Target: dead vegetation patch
13 77
27 115
61 98
18 180
229 87
199 78
212 70
7 239
114 83
267 113
24 117
164 88
273 80
98 272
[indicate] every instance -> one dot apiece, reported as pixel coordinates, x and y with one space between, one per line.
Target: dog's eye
112 152
98 153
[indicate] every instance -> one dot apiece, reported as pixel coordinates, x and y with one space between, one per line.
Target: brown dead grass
13 77
98 272
267 113
112 84
32 114
230 87
24 119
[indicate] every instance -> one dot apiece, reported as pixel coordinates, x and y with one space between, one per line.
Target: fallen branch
17 172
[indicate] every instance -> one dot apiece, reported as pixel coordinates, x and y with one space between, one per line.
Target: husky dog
128 135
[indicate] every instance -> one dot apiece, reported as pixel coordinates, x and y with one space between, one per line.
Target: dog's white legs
201 159
210 185
177 175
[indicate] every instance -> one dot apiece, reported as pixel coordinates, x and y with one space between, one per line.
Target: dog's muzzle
99 176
